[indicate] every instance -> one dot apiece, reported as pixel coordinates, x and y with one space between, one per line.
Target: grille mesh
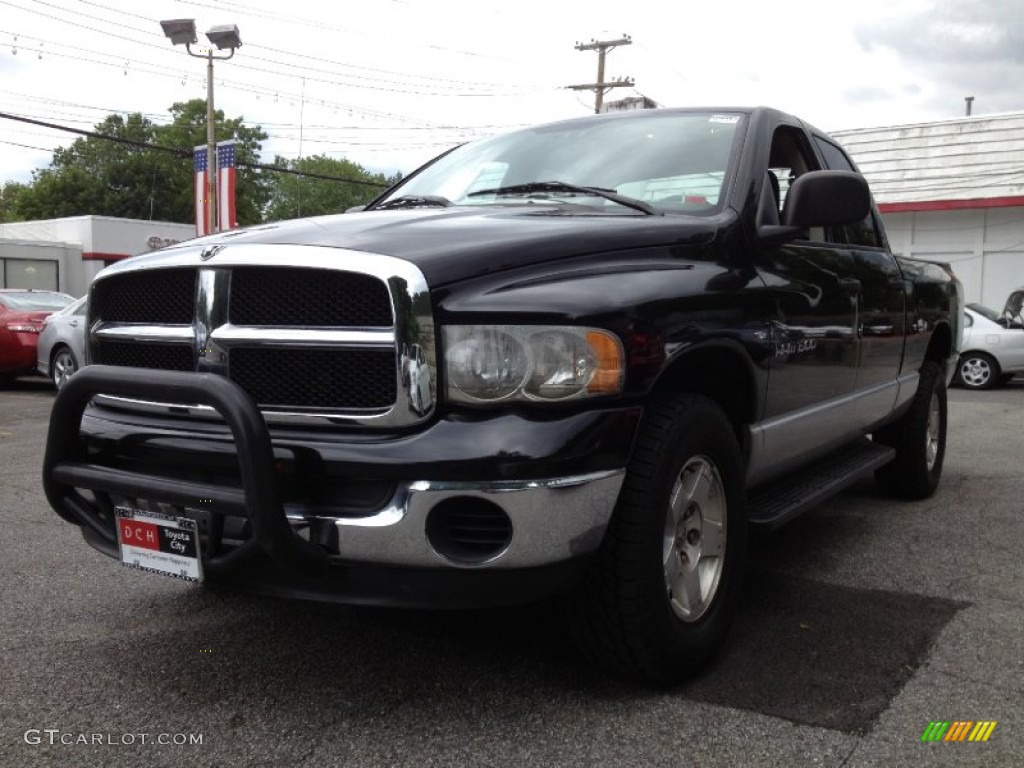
307 297
155 297
319 378
315 378
166 357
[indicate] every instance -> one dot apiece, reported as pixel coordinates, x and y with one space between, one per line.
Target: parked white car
61 348
992 351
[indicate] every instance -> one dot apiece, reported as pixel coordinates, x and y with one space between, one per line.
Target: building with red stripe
952 191
65 254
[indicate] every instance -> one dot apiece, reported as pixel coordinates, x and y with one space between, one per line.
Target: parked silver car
992 350
61 348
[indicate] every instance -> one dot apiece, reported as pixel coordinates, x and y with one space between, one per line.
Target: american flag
225 188
226 185
203 225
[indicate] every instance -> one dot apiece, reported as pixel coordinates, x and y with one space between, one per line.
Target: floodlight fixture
183 32
224 36
180 31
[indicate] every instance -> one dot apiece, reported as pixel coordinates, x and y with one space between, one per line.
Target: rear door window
863 232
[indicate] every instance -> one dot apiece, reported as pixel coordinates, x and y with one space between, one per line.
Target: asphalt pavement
862 622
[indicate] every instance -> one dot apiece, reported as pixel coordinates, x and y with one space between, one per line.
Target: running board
780 502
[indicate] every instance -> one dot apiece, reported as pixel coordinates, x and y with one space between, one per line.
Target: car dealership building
952 191
65 254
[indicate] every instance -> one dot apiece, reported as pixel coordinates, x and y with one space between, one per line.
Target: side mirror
826 198
355 209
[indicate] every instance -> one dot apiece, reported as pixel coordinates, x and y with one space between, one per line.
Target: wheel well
57 348
940 348
717 373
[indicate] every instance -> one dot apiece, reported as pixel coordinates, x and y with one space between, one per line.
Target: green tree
105 178
293 196
95 176
10 196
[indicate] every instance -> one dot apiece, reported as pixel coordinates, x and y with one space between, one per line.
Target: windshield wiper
414 201
561 186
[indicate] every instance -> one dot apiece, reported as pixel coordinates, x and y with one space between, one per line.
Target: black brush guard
66 467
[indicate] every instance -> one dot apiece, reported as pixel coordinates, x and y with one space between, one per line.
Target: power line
95 135
444 135
184 153
239 86
24 146
123 63
79 25
376 69
320 25
164 48
48 102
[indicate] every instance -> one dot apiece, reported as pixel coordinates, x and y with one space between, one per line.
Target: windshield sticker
724 119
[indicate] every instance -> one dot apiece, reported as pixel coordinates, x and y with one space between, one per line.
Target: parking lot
862 622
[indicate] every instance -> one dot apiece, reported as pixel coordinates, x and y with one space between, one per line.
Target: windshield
675 161
35 300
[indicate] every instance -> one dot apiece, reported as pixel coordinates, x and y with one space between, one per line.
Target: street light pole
224 36
211 147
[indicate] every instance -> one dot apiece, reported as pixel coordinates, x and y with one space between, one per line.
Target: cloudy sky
391 83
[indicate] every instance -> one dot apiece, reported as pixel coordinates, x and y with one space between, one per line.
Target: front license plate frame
159 543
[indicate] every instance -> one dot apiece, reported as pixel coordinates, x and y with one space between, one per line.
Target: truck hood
451 244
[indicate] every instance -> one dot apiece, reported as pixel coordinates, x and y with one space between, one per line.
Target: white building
65 254
952 191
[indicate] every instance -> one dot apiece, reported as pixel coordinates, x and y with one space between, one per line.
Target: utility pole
600 87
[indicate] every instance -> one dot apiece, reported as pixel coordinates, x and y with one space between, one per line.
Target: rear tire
63 365
919 438
977 370
662 592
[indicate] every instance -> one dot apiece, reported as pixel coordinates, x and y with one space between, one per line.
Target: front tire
660 597
977 370
919 437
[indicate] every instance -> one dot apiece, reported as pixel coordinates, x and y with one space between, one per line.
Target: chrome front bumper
552 520
425 526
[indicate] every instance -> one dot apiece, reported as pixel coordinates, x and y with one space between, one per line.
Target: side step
780 502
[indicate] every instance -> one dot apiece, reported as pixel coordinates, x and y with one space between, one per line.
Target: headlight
492 363
484 363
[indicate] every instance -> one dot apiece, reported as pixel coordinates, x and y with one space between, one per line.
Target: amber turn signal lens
608 377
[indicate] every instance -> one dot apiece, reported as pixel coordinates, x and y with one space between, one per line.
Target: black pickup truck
580 359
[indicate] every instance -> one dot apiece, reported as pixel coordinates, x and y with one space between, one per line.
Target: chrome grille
309 332
315 378
286 296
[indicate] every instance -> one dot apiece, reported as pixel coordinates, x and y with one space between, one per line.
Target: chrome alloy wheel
63 367
693 546
932 432
976 371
